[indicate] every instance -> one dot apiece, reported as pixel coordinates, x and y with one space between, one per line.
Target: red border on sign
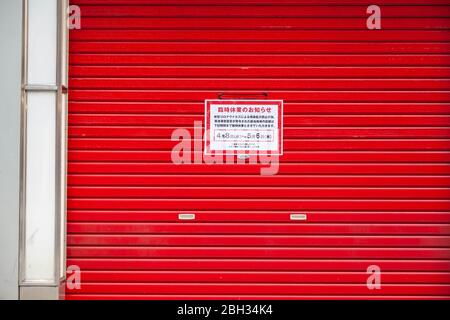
207 127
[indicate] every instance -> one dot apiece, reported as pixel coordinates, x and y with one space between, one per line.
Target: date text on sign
244 126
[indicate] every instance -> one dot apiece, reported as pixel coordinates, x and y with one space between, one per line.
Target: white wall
10 82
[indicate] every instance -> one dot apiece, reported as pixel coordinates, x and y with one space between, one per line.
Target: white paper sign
244 125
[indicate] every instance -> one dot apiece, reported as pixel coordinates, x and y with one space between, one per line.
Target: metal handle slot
298 216
186 216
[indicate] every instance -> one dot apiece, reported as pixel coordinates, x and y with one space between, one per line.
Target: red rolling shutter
366 150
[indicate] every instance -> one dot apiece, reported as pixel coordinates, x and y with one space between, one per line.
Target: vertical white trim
40 187
10 118
43 156
42 41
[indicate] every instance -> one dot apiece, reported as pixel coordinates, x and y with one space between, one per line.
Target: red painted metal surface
366 150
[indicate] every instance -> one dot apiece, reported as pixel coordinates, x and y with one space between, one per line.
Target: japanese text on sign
253 125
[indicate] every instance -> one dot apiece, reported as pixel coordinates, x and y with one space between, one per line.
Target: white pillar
43 157
10 86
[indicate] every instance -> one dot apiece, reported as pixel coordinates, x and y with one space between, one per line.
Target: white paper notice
244 125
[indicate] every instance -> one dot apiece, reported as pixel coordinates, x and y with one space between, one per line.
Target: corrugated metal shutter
367 146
